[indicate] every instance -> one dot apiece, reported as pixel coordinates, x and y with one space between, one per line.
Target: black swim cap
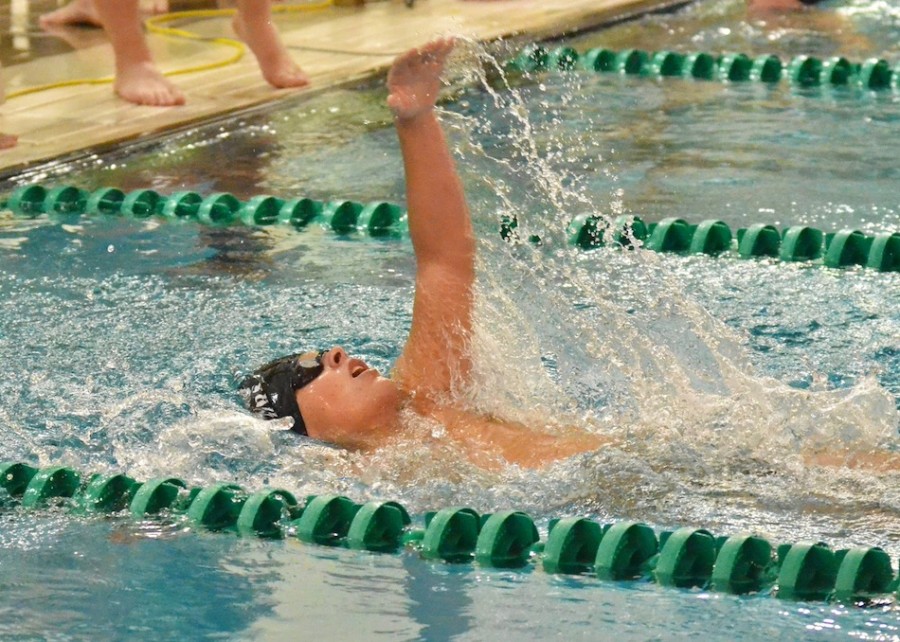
272 387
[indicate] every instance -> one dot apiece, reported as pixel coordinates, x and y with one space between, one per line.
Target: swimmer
339 399
139 81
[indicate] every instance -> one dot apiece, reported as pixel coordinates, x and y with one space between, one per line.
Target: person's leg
6 140
83 12
253 23
77 12
137 78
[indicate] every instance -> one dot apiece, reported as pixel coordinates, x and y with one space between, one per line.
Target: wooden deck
335 45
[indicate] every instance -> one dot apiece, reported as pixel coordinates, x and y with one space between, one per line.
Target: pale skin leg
137 78
77 12
83 12
253 24
6 140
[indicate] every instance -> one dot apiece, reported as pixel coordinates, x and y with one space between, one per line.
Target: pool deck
335 45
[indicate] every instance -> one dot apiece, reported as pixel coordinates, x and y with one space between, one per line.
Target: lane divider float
509 539
802 71
219 209
712 237
845 248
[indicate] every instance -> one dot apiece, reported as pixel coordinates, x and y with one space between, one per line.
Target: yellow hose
153 25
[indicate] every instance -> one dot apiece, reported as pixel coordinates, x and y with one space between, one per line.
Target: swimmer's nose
335 357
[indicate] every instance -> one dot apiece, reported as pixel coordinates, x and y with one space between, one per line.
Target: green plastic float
836 71
744 564
108 494
181 205
571 546
260 211
587 231
802 71
735 67
700 65
686 558
667 63
808 571
378 527
562 58
326 520
142 203
261 513
50 483
156 495
759 240
712 237
299 212
767 69
451 535
625 551
107 200
875 74
219 209
15 477
598 60
801 243
505 540
632 62
217 507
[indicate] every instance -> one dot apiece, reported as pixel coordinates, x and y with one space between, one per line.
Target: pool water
123 341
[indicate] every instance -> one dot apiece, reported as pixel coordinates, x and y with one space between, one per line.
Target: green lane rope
219 209
844 248
802 71
685 558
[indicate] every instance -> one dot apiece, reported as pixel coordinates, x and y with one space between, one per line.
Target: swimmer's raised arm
439 226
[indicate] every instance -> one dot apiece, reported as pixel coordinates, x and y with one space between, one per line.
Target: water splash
615 341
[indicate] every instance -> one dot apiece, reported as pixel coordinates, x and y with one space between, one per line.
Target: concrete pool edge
82 120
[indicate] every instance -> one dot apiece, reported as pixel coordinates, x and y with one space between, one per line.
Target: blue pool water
122 341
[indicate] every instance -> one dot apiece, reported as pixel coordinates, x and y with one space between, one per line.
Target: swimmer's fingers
414 80
427 60
436 52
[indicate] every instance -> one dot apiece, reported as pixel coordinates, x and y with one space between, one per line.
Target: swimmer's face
349 404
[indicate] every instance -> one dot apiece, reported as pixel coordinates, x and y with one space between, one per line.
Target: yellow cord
153 25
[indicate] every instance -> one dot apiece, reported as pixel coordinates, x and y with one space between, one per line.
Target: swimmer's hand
414 81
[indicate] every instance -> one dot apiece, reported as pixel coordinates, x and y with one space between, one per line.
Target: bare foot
143 84
275 62
77 12
8 140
